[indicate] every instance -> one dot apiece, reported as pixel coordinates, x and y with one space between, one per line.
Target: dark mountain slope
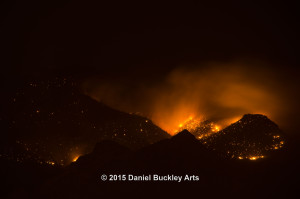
252 137
54 119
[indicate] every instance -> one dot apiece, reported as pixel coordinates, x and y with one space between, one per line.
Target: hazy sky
222 92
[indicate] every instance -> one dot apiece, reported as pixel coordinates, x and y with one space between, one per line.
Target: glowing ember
255 157
215 128
198 127
188 124
50 162
252 137
75 159
239 139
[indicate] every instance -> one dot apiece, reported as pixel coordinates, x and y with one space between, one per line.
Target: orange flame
75 158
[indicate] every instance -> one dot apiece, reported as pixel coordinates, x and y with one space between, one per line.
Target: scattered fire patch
199 128
253 137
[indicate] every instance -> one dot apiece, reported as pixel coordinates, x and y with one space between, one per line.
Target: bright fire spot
194 125
204 130
255 157
188 124
185 122
200 137
50 162
215 128
75 159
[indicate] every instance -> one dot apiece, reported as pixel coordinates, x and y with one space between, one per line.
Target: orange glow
225 91
203 93
75 158
215 128
255 157
197 126
231 120
189 124
50 162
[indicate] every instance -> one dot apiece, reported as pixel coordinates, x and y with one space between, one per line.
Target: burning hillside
64 124
252 137
198 127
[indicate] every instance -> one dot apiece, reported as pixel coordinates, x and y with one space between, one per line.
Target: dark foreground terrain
210 175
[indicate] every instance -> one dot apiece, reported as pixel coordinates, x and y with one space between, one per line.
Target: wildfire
193 124
50 162
215 128
198 127
190 124
206 131
277 145
255 157
75 158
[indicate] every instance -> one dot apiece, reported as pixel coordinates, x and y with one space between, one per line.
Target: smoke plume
222 93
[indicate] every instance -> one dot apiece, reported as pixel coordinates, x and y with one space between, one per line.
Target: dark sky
108 37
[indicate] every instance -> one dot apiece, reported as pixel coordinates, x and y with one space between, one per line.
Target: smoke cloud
222 93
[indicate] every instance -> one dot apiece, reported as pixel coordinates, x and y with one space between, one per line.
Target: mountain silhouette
54 118
50 123
104 152
178 150
184 136
180 155
254 135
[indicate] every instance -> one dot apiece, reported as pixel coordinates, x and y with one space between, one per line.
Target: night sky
142 38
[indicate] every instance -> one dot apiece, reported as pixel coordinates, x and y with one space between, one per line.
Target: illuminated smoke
221 93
